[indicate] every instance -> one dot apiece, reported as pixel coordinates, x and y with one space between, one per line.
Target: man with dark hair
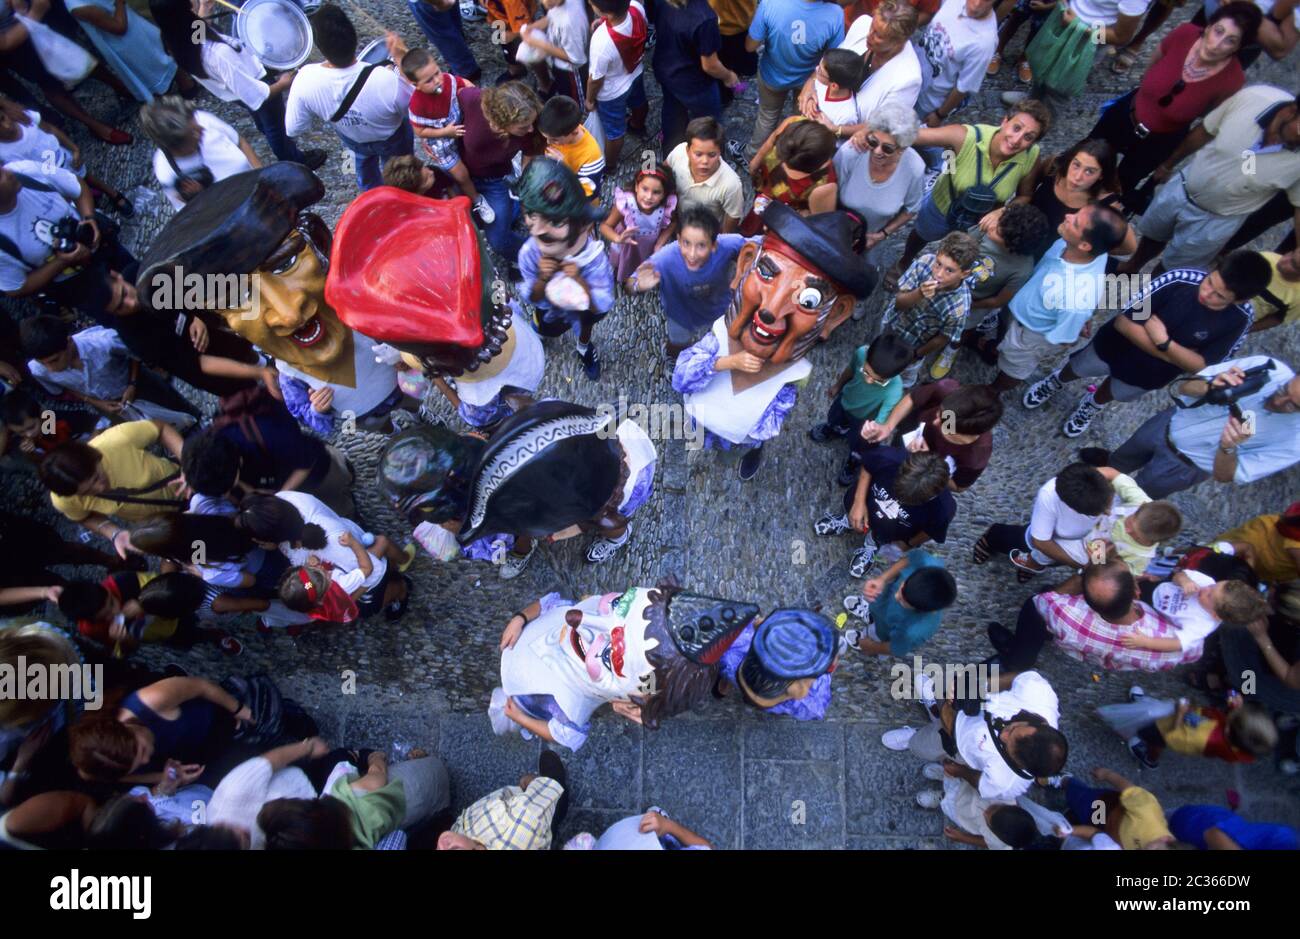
367 105
1182 322
211 464
1051 311
902 607
1066 510
901 501
1098 627
998 745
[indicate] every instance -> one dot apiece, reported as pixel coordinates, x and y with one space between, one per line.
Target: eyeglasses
1174 92
872 379
875 143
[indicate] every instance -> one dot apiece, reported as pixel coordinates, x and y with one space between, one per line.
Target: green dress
1061 55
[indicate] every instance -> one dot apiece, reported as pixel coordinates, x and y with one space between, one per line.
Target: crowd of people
499 208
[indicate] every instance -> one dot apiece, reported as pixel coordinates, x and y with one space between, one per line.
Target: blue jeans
269 119
501 234
443 27
613 113
370 156
679 108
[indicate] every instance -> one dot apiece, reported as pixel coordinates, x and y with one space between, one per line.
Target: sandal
983 551
117 138
995 64
1024 72
1021 561
1124 60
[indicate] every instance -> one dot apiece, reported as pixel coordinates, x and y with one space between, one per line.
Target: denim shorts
613 113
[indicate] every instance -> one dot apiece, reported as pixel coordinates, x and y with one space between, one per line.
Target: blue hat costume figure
784 663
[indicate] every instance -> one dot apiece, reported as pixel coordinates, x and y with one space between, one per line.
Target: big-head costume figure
650 652
552 470
251 234
565 269
414 273
783 663
739 380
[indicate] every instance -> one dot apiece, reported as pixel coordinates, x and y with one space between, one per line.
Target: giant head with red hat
805 271
413 272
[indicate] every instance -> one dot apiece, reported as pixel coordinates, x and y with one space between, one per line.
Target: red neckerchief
630 48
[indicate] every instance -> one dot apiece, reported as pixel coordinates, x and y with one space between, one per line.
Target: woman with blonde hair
500 124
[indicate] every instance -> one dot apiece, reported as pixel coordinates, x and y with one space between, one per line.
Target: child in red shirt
324 593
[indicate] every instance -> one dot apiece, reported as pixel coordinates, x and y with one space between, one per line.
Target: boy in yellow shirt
572 144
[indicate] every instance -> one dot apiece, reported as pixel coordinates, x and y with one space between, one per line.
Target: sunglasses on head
1174 92
875 143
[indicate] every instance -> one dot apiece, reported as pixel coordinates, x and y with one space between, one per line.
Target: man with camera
51 246
1237 421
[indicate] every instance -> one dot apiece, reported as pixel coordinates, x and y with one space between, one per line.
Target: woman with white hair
195 148
885 184
892 68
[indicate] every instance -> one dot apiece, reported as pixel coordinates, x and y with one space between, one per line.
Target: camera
202 176
1252 379
68 232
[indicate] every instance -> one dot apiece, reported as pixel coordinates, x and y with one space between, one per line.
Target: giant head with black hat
246 248
414 272
791 649
549 466
805 272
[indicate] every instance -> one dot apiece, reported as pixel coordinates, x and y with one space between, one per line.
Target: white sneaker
897 739
602 549
924 688
858 605
512 565
933 771
484 211
1136 693
929 798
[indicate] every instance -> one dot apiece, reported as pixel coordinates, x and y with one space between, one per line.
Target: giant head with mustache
805 271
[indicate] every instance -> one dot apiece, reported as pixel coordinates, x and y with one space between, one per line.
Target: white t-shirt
243 791
1029 692
955 53
34 214
316 512
234 75
378 111
105 366
1194 621
1053 520
899 78
1107 12
218 151
38 146
606 63
567 27
375 381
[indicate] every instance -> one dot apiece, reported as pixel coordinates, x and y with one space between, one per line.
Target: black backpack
979 200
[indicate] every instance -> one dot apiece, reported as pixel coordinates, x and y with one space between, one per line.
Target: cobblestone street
741 778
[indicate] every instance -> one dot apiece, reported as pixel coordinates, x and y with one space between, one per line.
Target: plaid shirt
1084 635
943 313
513 819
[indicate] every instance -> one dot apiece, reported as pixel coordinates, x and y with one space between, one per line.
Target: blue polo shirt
683 36
694 299
905 629
1191 822
797 34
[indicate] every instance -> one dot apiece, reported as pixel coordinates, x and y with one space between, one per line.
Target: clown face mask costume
783 295
251 230
414 273
551 467
652 650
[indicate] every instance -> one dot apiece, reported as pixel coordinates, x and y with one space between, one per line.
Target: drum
375 52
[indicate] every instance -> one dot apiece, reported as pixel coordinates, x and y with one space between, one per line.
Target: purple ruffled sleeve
694 369
769 425
297 399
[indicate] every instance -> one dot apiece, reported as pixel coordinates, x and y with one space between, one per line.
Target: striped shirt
513 819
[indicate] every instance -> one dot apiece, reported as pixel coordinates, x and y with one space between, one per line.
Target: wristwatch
1163 346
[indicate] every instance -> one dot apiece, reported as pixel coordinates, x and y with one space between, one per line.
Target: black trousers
1030 636
1003 539
1277 210
1139 156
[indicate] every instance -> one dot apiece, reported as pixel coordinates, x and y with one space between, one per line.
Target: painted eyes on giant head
767 268
285 257
810 298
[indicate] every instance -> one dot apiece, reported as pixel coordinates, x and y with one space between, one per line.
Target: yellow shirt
1136 556
734 16
1273 561
129 465
1284 294
1143 821
1188 739
584 158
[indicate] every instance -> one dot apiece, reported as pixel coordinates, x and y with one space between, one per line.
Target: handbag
62 57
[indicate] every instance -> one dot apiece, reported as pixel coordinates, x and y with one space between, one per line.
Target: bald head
1109 589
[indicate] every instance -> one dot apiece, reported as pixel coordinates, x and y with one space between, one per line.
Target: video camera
1253 379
